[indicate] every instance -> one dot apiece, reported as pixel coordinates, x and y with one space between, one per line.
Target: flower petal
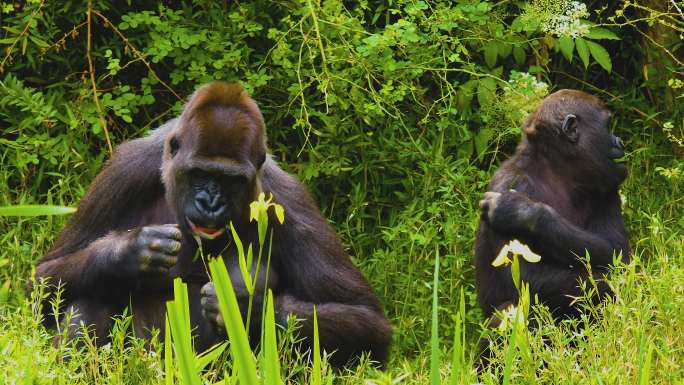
502 258
253 211
279 212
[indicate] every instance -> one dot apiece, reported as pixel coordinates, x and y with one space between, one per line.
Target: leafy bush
393 112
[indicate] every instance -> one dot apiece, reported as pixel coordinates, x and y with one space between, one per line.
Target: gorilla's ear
530 125
569 128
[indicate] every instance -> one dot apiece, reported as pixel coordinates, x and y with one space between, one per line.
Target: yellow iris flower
261 206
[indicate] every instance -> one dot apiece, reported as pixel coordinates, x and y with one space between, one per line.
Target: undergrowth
395 114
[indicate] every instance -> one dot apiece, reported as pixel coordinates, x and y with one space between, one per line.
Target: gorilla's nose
209 205
617 142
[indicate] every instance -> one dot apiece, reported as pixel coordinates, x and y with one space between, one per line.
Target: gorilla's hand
210 305
151 250
210 308
212 313
510 212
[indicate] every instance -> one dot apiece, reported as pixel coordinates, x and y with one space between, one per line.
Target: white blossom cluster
522 94
568 23
527 84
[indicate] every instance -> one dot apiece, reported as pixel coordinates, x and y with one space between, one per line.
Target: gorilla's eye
569 128
173 146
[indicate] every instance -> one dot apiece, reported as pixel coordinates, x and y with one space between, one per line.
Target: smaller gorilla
559 195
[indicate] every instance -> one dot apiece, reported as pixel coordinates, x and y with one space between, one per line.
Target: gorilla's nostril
209 204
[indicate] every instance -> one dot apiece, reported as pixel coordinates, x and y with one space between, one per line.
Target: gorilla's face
208 170
573 130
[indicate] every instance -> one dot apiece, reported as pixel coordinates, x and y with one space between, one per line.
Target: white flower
509 315
568 23
516 248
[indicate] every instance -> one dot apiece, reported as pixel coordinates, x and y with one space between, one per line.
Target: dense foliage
393 112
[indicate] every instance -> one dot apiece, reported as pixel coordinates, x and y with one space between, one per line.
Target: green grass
635 339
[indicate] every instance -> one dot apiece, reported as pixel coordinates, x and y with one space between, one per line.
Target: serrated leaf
491 50
582 51
598 33
567 46
600 55
486 89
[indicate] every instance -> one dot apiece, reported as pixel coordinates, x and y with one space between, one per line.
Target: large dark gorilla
559 195
134 232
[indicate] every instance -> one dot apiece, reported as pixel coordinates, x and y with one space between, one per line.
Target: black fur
559 195
103 260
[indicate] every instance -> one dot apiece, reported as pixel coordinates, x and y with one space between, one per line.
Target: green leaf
600 55
567 46
491 50
316 367
582 51
598 33
243 359
270 348
519 55
486 89
168 354
178 312
458 362
34 210
504 49
482 140
210 355
435 353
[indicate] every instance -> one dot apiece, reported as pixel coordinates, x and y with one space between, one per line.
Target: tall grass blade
270 346
34 210
316 370
434 338
210 355
645 356
510 353
179 320
243 359
168 354
458 354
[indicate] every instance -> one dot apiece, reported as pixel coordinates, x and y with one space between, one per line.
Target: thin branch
103 122
137 53
677 7
62 40
26 28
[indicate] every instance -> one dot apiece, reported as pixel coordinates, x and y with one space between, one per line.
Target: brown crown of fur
556 106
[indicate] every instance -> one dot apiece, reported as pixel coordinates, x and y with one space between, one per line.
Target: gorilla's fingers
162 231
210 302
160 259
208 290
167 246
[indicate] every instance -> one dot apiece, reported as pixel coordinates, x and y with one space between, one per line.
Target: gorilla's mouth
206 232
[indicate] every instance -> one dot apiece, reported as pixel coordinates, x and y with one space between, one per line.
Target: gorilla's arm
103 246
601 241
513 213
315 271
